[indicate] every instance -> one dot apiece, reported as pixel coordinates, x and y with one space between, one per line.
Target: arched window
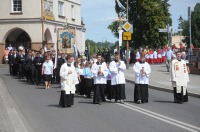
16 5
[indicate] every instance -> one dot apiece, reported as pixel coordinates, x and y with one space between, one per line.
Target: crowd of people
99 74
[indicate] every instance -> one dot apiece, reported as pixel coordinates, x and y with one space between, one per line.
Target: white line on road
166 119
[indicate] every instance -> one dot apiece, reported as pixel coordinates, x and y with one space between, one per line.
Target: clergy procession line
106 79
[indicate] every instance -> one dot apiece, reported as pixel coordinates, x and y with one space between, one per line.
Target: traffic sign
164 30
127 26
127 36
180 30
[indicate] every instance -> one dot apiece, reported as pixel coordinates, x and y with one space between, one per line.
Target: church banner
48 10
65 41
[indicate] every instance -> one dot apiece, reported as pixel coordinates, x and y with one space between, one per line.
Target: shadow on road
54 105
163 101
127 101
85 102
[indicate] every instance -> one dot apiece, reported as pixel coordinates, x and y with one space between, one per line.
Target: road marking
163 118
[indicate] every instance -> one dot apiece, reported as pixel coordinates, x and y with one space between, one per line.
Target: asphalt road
40 108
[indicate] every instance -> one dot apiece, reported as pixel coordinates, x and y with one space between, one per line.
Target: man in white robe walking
69 79
117 68
179 78
142 73
100 71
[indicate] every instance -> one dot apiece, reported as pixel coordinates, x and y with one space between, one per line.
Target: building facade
32 23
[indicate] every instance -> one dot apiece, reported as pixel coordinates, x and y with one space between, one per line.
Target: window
16 5
60 8
73 12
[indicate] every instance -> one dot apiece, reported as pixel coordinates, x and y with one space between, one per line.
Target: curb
165 90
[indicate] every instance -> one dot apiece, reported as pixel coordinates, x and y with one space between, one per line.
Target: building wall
30 9
33 30
30 21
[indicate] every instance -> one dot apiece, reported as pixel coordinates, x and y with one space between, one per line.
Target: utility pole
190 30
127 45
42 16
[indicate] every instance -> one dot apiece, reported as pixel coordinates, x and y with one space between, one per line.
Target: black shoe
100 103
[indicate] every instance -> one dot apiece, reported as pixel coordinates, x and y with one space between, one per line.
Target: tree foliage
94 46
195 20
147 16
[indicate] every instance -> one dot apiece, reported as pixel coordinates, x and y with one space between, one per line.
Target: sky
98 14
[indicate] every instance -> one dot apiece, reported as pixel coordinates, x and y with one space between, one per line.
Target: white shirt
48 67
137 55
10 48
155 55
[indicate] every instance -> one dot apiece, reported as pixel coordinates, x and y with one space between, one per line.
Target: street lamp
180 20
103 38
65 25
88 52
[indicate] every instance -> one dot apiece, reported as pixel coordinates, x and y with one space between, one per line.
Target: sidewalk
159 79
11 119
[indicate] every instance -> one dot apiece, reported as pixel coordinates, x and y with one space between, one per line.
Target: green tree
195 20
196 25
147 17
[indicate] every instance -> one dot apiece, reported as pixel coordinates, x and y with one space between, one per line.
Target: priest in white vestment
117 90
179 78
69 79
99 71
142 73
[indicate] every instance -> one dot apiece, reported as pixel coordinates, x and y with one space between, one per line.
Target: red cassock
159 60
150 59
163 57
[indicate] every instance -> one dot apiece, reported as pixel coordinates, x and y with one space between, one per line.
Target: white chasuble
179 75
68 81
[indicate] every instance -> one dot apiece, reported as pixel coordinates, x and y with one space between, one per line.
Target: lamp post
127 46
180 20
88 52
103 38
65 25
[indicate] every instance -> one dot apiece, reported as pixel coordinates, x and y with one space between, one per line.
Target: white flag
120 5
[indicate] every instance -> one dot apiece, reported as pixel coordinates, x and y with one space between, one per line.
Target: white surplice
117 72
139 77
100 79
179 75
68 81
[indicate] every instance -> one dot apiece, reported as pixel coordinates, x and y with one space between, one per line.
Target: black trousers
38 75
15 69
179 97
99 95
21 70
141 93
10 68
117 92
88 87
82 85
28 74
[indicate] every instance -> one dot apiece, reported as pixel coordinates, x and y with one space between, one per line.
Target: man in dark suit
38 61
